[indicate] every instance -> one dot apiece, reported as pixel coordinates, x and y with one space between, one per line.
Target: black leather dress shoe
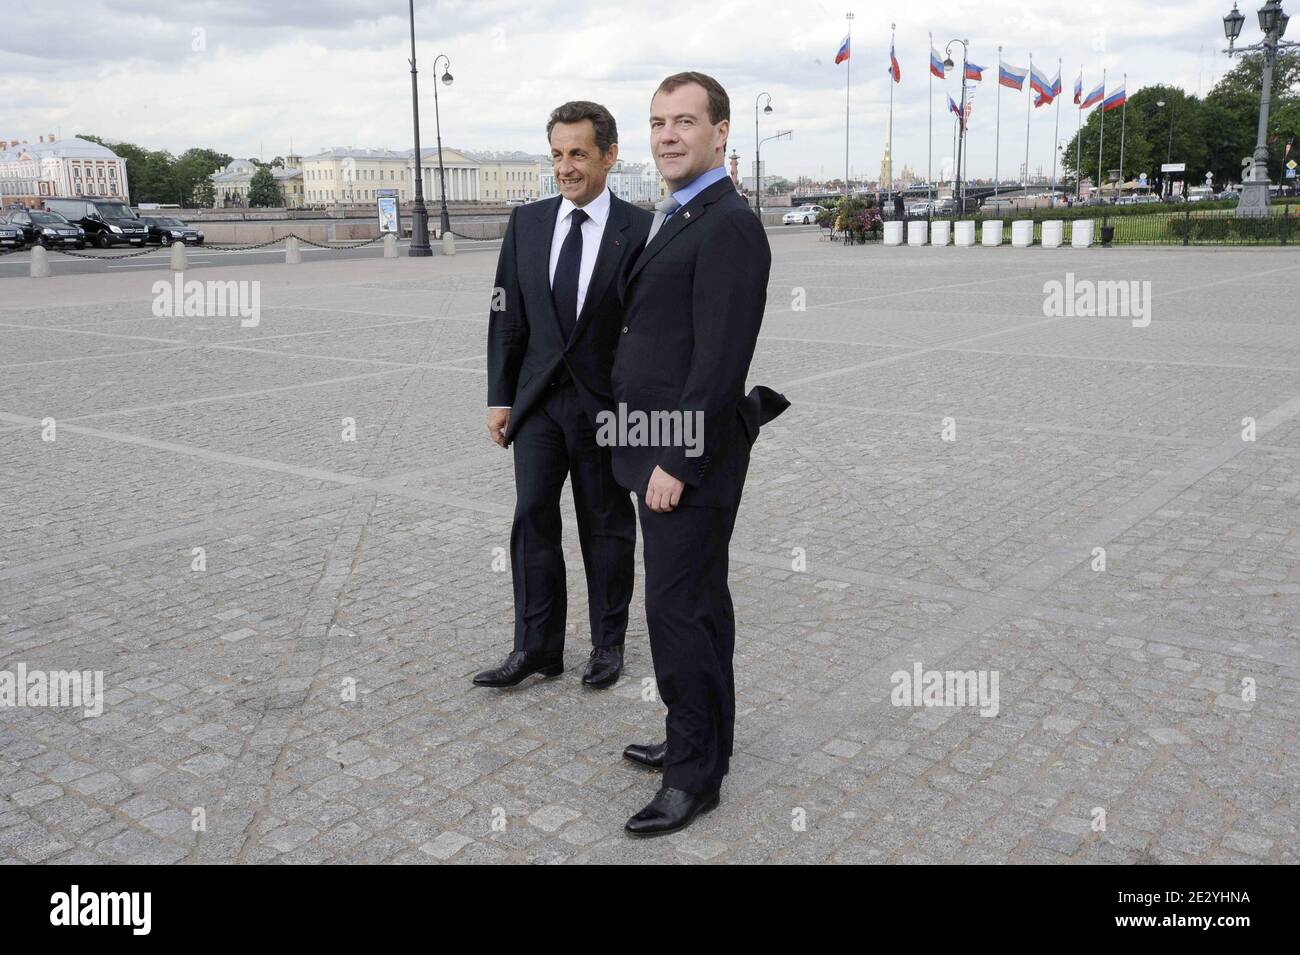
518 667
651 755
604 667
670 811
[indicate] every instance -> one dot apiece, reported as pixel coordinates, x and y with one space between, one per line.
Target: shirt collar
597 209
697 185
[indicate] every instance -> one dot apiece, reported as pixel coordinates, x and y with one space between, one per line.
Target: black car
11 236
106 221
168 229
49 229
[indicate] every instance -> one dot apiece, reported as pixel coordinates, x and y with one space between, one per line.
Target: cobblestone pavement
305 696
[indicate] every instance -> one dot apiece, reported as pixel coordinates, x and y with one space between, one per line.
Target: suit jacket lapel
543 224
683 218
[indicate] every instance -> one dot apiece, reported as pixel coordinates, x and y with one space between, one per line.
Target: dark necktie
564 288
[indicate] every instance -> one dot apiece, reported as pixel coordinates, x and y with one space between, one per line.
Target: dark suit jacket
694 302
526 349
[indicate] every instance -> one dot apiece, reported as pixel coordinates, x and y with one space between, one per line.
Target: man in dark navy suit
552 332
694 300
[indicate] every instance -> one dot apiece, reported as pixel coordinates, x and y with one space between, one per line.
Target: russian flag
974 72
1115 100
894 71
1039 82
843 54
936 64
1049 94
952 105
1012 76
1078 89
1093 98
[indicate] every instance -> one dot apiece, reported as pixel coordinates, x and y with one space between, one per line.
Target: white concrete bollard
1081 233
916 232
964 234
992 233
448 243
40 268
292 254
1022 233
894 233
1053 234
178 257
390 246
939 231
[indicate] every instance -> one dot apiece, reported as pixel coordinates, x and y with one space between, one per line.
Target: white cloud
334 72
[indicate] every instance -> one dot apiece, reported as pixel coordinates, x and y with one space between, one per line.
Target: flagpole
997 136
1123 115
1029 106
929 159
1051 199
1101 138
1078 144
848 67
892 84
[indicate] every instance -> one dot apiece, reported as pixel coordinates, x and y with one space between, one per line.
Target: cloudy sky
249 76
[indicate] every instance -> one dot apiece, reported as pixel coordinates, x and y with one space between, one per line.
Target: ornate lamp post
437 125
419 214
1272 22
961 118
758 179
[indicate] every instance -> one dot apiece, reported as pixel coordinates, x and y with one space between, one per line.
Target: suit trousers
557 440
692 638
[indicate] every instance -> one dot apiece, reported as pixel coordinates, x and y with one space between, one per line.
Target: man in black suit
554 324
694 300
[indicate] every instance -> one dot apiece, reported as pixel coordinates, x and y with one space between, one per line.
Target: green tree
263 190
204 194
192 171
1232 114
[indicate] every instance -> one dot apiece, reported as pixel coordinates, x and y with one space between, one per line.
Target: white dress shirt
592 231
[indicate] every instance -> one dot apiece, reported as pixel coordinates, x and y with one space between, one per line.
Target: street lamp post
779 134
1169 152
758 179
961 117
437 126
1272 22
419 214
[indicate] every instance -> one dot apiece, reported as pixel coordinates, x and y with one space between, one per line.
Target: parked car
47 228
168 229
11 236
921 209
997 205
106 221
804 215
945 206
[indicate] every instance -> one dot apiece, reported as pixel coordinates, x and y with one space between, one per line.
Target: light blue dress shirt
697 185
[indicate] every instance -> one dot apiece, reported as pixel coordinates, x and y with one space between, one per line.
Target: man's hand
498 421
663 492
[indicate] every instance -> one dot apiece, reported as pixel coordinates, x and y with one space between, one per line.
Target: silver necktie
666 207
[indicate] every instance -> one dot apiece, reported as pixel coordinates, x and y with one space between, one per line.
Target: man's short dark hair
719 102
602 121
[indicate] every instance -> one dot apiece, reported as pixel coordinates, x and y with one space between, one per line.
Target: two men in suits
694 302
556 321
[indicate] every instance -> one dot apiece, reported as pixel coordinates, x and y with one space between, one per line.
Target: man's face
683 141
580 169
